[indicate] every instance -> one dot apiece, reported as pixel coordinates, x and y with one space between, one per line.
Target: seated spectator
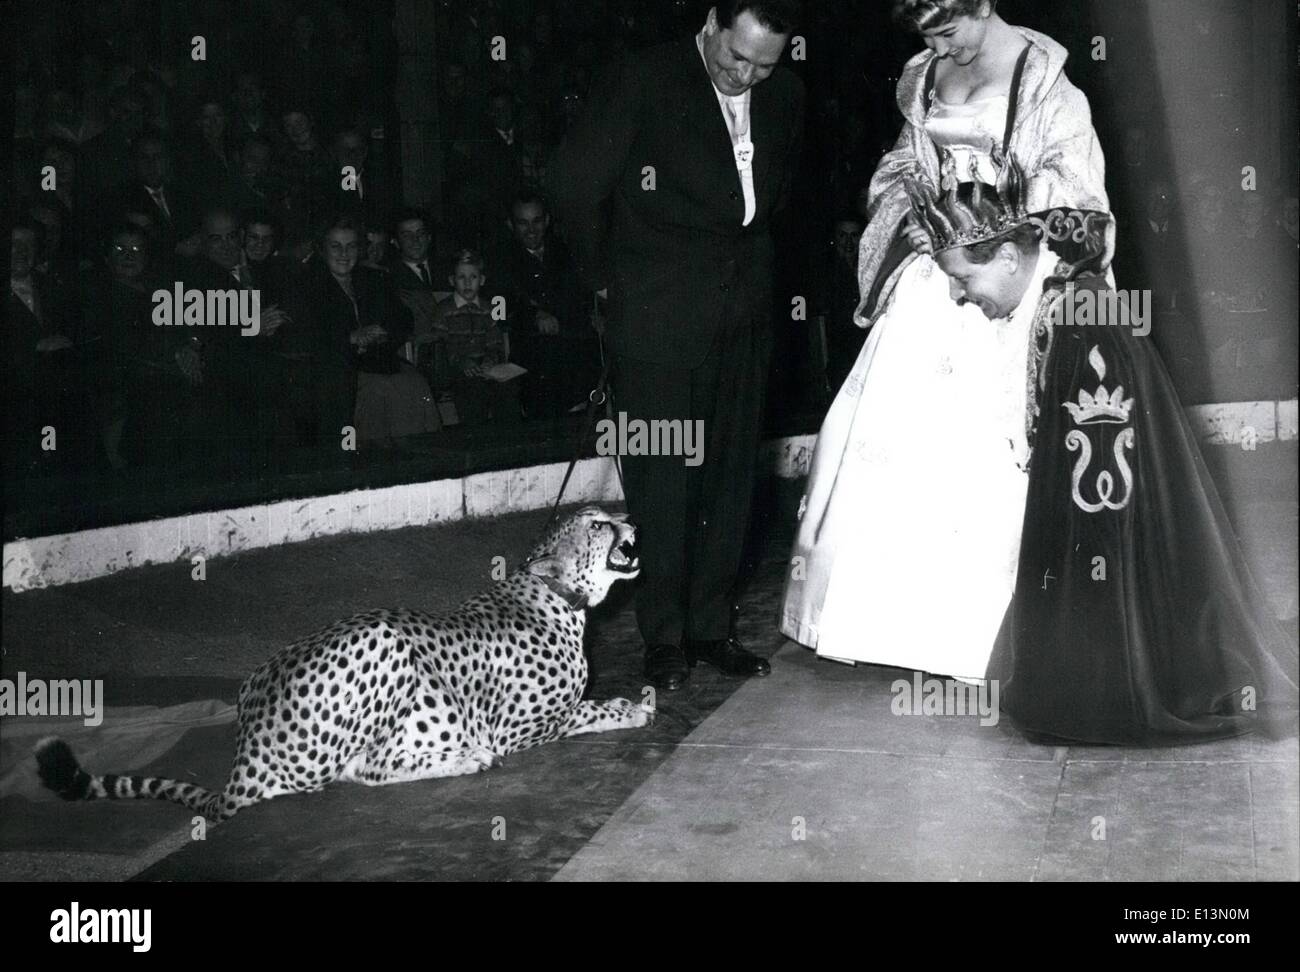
550 324
54 262
153 191
208 166
146 381
255 184
358 193
412 270
243 377
108 155
251 116
268 268
41 391
484 173
378 245
305 167
469 343
356 326
1149 255
69 197
839 299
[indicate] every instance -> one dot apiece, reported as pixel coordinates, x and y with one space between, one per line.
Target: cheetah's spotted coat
390 696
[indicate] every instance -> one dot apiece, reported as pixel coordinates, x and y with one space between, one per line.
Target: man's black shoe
665 666
727 655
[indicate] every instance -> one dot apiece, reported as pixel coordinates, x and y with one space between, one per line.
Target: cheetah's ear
546 567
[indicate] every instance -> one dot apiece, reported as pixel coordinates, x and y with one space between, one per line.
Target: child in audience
470 343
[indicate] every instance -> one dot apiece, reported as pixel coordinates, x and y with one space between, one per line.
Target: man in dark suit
242 375
41 380
668 185
365 198
153 192
415 272
550 327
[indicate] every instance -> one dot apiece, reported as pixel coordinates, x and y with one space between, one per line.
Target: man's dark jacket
647 186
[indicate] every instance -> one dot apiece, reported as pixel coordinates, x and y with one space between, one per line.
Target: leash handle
600 395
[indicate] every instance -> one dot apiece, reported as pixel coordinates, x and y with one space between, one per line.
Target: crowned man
1134 617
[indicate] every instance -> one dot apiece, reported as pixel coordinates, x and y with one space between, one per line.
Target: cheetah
392 696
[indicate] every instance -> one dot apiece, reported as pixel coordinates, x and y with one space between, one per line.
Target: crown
1102 407
963 213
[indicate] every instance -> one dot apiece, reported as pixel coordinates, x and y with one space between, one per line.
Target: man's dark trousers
693 519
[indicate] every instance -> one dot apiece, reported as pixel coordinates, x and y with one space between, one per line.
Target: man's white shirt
735 112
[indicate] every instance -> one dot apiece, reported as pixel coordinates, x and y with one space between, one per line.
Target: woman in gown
1134 619
909 534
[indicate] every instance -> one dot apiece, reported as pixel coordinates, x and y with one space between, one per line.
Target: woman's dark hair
778 16
922 15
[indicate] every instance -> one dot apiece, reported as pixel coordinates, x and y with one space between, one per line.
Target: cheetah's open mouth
623 559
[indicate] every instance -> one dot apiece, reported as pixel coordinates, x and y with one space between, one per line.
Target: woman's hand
917 238
272 318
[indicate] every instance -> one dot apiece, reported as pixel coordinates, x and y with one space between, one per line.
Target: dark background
1189 92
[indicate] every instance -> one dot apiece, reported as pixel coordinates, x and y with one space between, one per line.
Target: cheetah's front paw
484 758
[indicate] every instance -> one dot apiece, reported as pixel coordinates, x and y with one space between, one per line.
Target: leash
598 396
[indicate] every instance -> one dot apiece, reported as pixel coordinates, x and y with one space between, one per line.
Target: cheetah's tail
60 772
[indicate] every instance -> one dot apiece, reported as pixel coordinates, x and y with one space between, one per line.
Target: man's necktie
161 200
738 109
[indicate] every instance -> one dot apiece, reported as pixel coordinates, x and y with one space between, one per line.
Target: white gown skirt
909 532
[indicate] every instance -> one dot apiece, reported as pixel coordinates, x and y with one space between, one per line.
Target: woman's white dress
909 532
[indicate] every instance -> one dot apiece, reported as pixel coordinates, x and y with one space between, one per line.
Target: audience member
470 344
550 324
412 270
152 191
357 327
839 300
43 416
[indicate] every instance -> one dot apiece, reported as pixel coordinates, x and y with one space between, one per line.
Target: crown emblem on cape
1103 406
960 213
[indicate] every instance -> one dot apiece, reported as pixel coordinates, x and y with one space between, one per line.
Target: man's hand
547 323
55 342
918 238
598 322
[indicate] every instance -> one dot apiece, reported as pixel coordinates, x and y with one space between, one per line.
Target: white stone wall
72 557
